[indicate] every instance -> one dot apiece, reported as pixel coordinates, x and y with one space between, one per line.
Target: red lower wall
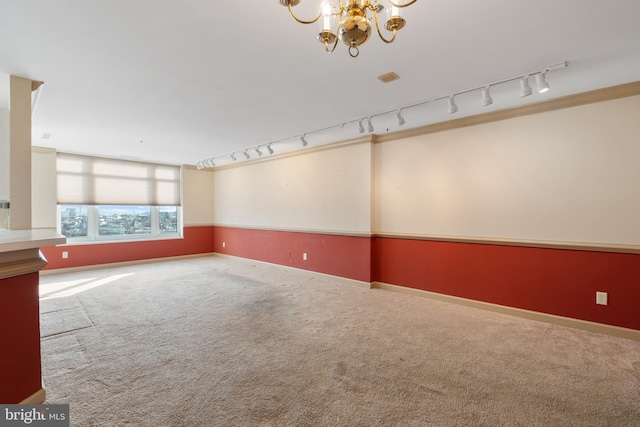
20 369
196 240
343 256
552 281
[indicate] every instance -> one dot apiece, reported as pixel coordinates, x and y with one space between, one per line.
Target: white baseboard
36 398
527 314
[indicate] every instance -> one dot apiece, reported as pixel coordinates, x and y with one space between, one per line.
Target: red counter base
20 367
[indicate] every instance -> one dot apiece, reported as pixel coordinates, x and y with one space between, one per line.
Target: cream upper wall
569 175
326 189
197 197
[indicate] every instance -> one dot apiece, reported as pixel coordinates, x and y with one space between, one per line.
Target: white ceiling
181 81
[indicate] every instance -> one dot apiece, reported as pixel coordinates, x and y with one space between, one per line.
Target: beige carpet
218 342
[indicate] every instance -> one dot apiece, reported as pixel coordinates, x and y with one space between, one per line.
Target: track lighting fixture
525 89
486 97
453 108
541 84
369 125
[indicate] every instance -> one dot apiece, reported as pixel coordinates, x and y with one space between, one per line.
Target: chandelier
347 20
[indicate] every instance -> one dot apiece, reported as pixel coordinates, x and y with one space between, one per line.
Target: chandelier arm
375 18
326 46
402 5
302 21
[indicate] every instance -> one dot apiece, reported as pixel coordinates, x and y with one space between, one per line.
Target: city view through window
113 220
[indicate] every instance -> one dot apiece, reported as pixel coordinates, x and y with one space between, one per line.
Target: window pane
121 220
168 219
74 220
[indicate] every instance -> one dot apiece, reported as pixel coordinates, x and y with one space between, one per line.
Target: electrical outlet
65 254
601 298
304 256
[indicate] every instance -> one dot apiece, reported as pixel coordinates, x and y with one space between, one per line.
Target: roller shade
99 181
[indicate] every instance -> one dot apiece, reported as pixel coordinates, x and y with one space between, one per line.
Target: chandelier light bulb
326 15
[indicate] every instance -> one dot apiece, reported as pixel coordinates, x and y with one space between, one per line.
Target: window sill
80 242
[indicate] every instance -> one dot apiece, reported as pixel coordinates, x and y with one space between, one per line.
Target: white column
20 152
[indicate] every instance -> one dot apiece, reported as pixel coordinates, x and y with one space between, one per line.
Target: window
107 199
114 222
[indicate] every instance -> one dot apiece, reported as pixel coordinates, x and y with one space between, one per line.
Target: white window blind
100 181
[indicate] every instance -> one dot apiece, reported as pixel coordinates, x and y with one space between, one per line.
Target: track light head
258 152
211 164
369 125
453 108
200 165
399 117
303 139
525 89
360 127
541 84
246 155
486 97
233 156
269 149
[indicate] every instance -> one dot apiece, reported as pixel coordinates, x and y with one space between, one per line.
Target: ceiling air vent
388 77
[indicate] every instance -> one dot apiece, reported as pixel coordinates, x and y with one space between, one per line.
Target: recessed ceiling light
388 77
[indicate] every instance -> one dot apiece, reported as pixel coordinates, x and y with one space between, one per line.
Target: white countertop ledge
18 240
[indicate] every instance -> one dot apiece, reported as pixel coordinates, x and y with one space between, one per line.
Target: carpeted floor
218 342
